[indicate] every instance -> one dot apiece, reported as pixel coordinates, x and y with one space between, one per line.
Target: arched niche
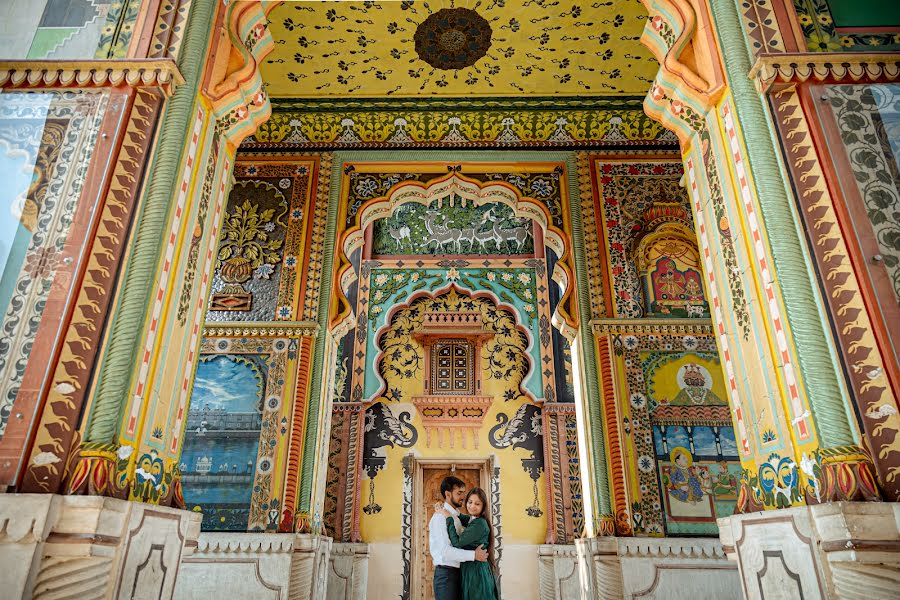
456 187
669 265
463 324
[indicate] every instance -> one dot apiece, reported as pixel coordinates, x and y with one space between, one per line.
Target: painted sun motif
453 38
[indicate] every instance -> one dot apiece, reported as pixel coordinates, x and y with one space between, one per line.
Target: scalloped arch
470 190
462 291
233 81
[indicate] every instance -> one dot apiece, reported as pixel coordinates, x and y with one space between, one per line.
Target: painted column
133 431
599 518
791 414
792 406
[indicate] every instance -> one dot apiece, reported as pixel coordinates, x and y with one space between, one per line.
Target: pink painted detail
717 315
198 312
137 399
800 417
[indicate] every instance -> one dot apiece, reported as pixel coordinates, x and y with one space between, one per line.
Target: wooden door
431 493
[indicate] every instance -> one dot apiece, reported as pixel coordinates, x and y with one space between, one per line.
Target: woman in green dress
469 532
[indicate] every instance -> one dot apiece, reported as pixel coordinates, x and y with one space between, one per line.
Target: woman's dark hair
449 484
486 515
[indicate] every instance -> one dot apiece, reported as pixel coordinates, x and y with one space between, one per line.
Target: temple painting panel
682 455
223 429
652 257
261 247
237 432
693 439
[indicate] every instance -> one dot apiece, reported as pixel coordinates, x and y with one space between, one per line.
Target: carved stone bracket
46 74
770 69
445 415
690 78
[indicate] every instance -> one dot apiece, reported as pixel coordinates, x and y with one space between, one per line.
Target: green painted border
122 346
793 272
598 451
115 37
821 34
601 492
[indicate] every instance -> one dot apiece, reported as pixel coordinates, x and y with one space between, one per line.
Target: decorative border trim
719 318
184 393
40 74
297 328
799 68
109 244
652 326
163 280
458 123
853 331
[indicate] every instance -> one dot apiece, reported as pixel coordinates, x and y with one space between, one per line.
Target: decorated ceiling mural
465 48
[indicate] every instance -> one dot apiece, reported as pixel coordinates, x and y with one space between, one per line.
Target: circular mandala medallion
453 38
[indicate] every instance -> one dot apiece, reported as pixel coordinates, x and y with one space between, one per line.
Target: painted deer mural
441 234
519 235
399 234
483 237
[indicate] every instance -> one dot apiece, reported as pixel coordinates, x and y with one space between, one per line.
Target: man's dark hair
449 484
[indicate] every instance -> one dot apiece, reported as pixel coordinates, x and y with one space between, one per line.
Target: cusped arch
233 82
462 291
447 188
679 34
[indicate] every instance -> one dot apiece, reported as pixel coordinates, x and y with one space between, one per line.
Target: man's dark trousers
447 583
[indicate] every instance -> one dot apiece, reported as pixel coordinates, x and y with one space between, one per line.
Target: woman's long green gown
477 579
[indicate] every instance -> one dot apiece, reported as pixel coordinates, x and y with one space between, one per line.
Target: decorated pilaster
793 418
132 435
764 245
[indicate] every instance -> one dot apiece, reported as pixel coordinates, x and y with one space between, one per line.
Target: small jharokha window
452 367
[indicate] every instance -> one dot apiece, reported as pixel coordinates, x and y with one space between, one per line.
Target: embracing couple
462 545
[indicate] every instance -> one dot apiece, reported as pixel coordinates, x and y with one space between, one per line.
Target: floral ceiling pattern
484 48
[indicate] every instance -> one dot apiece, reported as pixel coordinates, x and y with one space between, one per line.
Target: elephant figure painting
383 429
525 430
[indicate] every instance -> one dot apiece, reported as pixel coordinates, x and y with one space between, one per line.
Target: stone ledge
834 550
108 546
248 543
695 548
50 74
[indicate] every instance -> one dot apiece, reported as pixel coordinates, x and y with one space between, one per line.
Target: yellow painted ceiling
514 47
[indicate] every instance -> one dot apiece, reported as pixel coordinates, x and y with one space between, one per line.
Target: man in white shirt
446 558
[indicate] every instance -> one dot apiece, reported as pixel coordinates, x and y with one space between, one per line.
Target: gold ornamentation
286 329
799 68
652 326
42 74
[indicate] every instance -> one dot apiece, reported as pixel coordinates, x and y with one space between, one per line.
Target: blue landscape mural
218 462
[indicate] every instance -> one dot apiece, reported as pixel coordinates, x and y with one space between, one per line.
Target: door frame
417 468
